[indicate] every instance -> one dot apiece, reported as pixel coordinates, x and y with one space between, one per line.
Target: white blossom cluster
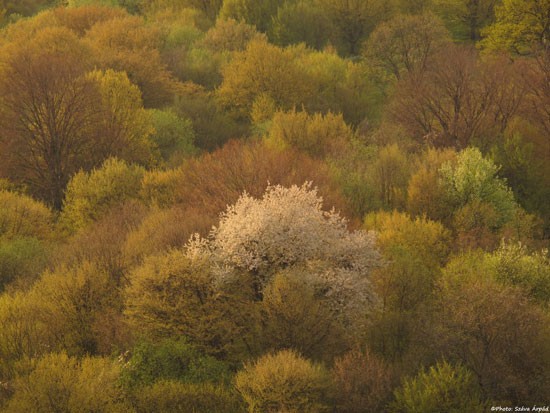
287 228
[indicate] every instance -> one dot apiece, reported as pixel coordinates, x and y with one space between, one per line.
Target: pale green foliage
443 388
474 178
168 284
522 26
427 241
514 265
317 135
22 216
340 85
283 382
90 195
173 135
58 383
176 397
510 264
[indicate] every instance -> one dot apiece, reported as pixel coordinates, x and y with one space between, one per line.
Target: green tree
284 381
229 35
522 27
137 54
466 19
77 303
21 261
173 135
91 195
474 178
170 359
294 315
442 388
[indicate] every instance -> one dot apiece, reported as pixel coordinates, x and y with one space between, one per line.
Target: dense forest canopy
274 206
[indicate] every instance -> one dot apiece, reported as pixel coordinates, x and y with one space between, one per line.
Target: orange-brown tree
47 112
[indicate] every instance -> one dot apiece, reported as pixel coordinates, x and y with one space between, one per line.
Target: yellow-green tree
127 126
442 387
522 27
57 382
91 195
317 135
415 250
175 295
263 69
284 381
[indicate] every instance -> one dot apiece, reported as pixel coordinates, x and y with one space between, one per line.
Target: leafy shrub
170 359
284 382
90 195
21 259
22 216
443 388
58 383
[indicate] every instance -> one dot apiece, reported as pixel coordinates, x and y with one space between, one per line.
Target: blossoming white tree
287 228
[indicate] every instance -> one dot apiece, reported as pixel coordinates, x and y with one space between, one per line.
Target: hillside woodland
299 206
